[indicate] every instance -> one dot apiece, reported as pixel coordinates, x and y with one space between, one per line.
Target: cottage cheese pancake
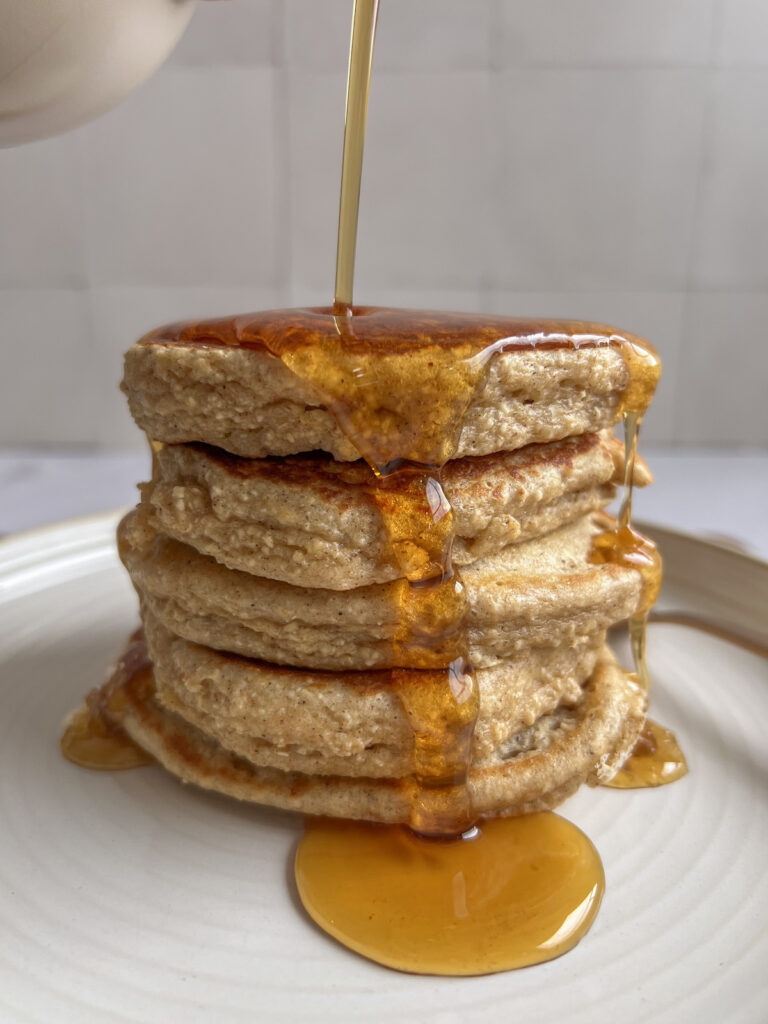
350 723
540 593
587 742
243 385
312 521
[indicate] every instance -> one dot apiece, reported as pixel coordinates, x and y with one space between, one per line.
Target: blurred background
603 159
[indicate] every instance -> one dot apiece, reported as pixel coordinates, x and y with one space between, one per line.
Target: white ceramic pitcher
63 62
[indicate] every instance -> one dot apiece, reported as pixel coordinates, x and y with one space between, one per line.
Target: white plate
127 897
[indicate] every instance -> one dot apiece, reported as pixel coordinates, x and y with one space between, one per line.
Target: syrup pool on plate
511 892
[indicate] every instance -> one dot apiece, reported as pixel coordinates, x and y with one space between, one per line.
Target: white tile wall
596 158
245 33
316 35
315 116
744 28
430 209
724 369
42 235
732 228
182 182
50 387
604 33
598 168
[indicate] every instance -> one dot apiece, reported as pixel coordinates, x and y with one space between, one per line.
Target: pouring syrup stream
364 18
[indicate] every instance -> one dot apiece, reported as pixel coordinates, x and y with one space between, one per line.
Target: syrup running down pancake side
657 758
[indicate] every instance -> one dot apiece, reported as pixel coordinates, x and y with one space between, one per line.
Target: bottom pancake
585 743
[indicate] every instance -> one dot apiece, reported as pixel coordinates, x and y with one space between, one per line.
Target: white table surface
714 493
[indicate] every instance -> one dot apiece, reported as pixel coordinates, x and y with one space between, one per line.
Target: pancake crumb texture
314 522
540 768
541 593
248 403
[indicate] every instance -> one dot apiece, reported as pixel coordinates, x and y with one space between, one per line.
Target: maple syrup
92 736
510 892
477 900
655 761
624 546
364 16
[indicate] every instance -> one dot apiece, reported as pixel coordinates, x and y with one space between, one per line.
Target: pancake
587 741
185 384
314 522
544 592
348 723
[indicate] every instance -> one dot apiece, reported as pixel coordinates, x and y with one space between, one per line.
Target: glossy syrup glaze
655 761
657 758
509 893
407 375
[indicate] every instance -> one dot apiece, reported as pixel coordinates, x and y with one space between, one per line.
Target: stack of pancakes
269 589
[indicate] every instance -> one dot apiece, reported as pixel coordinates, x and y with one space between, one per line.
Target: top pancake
481 385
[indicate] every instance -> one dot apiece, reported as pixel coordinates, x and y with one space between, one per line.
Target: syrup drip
634 550
438 691
655 761
510 892
92 735
624 546
441 706
656 758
